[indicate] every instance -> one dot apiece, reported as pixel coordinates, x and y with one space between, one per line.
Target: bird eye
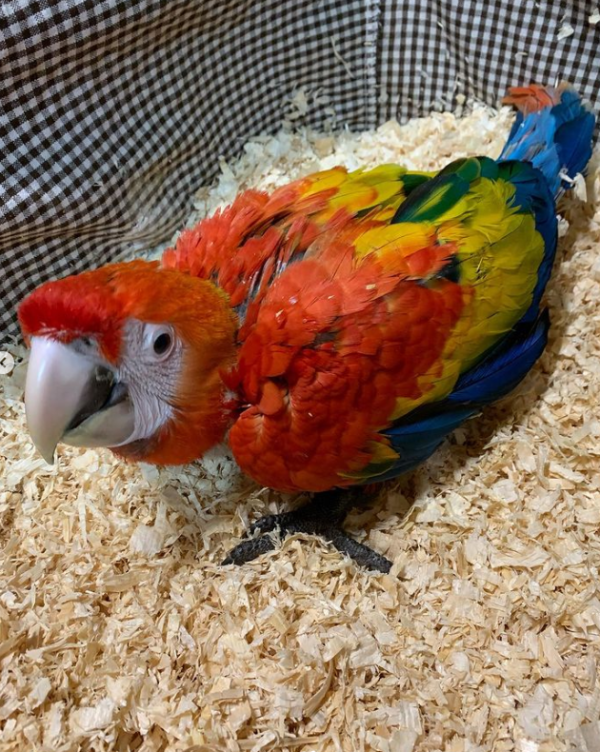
159 341
162 343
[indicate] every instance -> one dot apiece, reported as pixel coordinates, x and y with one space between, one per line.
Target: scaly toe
249 550
304 521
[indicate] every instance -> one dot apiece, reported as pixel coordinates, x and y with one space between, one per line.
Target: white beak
70 396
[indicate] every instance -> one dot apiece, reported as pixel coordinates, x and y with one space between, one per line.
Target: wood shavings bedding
120 631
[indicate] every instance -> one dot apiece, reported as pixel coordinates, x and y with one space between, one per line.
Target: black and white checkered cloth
112 113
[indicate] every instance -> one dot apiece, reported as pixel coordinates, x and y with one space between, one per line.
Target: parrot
332 332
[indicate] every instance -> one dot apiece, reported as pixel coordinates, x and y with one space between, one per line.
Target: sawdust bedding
121 631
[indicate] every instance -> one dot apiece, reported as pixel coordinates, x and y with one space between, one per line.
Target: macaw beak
72 397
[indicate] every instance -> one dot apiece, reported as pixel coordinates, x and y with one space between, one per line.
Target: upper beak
69 396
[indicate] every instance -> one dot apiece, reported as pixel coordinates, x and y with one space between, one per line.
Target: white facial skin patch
150 369
144 386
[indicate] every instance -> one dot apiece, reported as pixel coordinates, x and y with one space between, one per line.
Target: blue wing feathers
542 146
417 435
533 195
417 441
505 367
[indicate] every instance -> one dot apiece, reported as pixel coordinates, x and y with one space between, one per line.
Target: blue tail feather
556 139
573 140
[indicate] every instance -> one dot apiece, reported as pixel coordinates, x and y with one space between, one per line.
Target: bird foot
316 518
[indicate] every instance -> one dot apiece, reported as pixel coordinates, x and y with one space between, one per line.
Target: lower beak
70 397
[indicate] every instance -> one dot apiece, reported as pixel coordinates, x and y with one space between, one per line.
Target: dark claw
362 555
265 524
322 517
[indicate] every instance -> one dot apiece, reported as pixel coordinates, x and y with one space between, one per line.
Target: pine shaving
566 30
121 631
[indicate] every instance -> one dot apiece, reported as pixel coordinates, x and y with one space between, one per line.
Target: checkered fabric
432 51
112 113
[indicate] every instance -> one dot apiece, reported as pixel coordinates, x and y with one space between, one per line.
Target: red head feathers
134 321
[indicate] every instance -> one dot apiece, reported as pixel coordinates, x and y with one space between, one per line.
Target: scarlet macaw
334 332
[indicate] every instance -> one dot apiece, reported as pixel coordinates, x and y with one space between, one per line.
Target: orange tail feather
532 98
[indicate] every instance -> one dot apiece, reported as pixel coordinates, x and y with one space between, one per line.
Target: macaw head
129 357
